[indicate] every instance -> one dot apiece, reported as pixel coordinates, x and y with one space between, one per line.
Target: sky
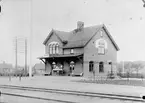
125 20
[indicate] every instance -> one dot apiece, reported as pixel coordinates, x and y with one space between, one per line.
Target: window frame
102 69
57 48
53 49
50 48
91 66
71 51
101 50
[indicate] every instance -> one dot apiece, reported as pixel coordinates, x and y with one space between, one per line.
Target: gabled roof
79 38
60 34
63 35
111 38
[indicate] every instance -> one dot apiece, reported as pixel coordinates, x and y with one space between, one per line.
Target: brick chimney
80 25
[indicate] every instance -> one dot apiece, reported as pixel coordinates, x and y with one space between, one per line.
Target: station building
82 51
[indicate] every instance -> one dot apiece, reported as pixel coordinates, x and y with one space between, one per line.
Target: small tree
119 68
137 67
127 66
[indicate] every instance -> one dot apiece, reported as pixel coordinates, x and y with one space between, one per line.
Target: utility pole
122 66
31 33
16 53
25 55
0 6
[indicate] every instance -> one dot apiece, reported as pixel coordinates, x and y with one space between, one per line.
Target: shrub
131 75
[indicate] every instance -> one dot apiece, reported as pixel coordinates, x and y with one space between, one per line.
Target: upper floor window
101 50
50 49
57 48
71 51
101 47
53 48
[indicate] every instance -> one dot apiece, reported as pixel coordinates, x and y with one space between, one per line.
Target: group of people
59 68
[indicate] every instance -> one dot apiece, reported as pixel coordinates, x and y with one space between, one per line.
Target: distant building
5 68
83 50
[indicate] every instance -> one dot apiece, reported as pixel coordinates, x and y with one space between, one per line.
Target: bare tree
137 66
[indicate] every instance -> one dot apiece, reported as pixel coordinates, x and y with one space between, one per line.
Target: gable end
111 38
50 34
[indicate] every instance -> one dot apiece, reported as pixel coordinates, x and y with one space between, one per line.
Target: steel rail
78 93
35 97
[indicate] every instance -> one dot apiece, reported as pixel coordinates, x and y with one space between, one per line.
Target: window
101 50
53 48
91 66
101 47
101 33
57 48
50 49
71 51
101 67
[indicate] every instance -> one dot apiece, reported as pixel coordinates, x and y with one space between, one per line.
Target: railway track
69 92
36 97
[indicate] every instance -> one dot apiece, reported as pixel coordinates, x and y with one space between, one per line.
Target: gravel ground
115 82
63 82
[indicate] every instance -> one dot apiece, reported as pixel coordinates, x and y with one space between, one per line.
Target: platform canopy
60 56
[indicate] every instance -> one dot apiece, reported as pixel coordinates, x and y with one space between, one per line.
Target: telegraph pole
31 32
25 55
16 53
0 7
122 66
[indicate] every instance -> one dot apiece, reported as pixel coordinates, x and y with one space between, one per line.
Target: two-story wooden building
81 51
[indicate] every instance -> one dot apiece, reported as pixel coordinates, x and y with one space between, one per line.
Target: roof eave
73 47
45 41
111 38
52 31
91 37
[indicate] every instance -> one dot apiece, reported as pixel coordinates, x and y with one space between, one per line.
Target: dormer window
71 51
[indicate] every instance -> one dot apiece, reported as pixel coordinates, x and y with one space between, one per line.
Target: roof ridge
60 30
99 25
